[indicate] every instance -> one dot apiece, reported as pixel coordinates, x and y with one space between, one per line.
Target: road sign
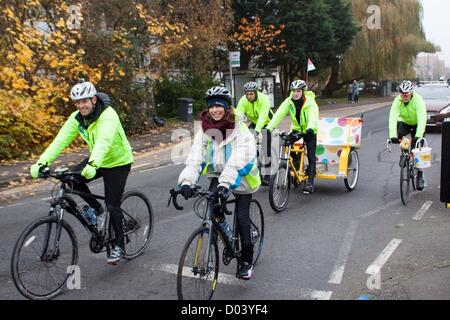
235 59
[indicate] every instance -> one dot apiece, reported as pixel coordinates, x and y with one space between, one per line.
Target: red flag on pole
311 66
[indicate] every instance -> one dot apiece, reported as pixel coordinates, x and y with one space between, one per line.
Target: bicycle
51 240
288 172
198 268
408 171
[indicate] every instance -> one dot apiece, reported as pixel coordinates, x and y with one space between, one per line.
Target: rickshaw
338 140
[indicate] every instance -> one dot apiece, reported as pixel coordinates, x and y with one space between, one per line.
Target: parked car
437 100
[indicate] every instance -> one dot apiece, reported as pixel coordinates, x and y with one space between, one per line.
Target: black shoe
308 188
265 181
245 270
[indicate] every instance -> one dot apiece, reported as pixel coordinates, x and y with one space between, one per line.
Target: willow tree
385 50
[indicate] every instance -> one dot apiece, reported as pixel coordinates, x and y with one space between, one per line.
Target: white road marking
379 262
338 271
419 215
222 278
321 295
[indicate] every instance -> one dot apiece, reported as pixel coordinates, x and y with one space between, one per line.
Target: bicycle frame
286 155
66 203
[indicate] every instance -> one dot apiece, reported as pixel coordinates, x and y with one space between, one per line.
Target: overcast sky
436 22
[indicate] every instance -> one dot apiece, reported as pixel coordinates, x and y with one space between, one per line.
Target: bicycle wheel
279 188
198 273
405 180
39 270
352 170
256 228
138 223
413 174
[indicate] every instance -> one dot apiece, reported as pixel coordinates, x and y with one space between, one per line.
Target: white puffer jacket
227 160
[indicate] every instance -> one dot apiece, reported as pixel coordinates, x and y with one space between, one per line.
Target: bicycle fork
47 254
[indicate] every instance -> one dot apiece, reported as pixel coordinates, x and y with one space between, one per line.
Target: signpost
235 61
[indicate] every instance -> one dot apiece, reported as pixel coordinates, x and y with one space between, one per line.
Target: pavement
153 149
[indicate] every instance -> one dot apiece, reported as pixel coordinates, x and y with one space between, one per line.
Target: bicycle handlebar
197 192
291 138
65 175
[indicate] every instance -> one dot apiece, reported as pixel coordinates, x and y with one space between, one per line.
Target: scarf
221 125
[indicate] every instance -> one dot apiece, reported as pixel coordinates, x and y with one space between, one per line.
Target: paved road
319 248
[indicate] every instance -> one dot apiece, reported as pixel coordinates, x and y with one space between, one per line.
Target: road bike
198 268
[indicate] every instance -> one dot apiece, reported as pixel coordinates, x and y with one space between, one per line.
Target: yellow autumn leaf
8 12
53 63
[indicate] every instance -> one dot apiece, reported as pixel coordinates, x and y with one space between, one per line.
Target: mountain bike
198 268
46 252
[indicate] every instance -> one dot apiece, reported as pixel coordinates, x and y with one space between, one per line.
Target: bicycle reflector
445 164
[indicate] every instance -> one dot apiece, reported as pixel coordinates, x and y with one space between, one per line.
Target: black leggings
242 210
311 144
114 180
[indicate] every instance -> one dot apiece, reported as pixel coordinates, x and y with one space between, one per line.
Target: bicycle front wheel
138 223
40 267
256 228
198 268
279 187
405 180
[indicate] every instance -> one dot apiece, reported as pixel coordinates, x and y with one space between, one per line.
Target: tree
344 30
207 26
39 61
308 33
386 52
254 39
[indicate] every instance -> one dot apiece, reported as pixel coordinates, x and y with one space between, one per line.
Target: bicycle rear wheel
39 270
405 180
279 188
256 229
352 171
138 223
198 271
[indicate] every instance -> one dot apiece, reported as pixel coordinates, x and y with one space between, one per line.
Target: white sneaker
115 256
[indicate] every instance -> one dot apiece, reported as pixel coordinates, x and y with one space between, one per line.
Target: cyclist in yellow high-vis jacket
408 115
304 114
255 105
110 154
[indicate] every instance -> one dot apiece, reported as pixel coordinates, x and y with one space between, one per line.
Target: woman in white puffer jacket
225 151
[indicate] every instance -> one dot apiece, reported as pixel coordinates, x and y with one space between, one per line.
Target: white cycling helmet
250 87
84 90
218 92
298 84
406 87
